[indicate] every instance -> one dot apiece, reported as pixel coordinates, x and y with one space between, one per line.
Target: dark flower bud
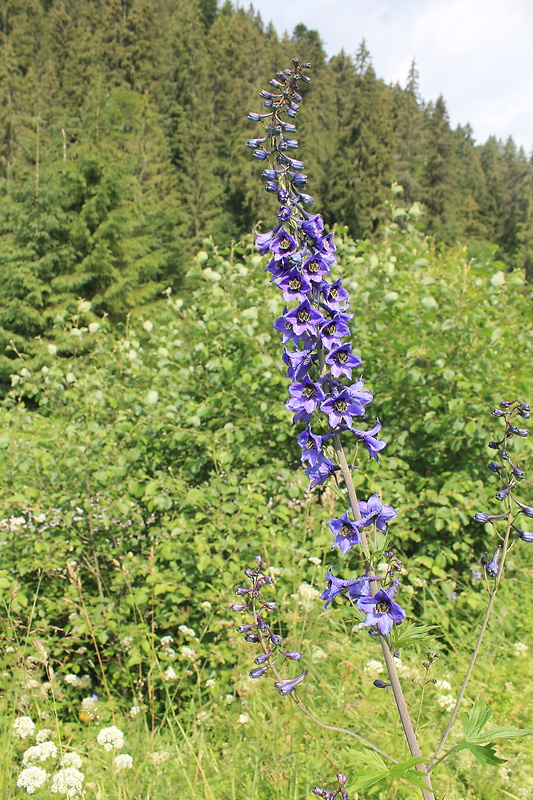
504 454
526 536
252 637
254 117
271 186
259 672
294 655
481 517
525 407
506 403
495 467
524 413
504 491
497 413
245 628
288 127
276 84
239 606
270 605
297 97
290 112
318 791
269 579
381 684
249 572
494 445
263 658
285 687
527 510
264 94
261 154
275 639
519 431
241 590
518 473
492 568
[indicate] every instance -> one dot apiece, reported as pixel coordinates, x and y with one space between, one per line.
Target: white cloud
477 53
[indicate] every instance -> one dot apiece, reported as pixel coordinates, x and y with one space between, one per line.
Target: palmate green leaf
485 754
409 634
369 768
476 719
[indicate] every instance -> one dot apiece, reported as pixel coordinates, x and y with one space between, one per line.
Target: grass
238 739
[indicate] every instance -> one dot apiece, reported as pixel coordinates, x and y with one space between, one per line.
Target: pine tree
439 174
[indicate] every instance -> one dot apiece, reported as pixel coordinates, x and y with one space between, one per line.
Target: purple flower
320 472
294 285
527 510
305 395
263 241
313 226
315 267
481 517
335 295
332 331
345 532
382 610
335 586
286 686
283 243
526 536
341 408
342 361
360 397
374 513
298 363
492 568
304 319
311 445
372 444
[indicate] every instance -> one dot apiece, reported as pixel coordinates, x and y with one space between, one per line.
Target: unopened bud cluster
509 474
339 793
259 631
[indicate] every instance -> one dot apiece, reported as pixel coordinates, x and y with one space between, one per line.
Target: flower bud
259 672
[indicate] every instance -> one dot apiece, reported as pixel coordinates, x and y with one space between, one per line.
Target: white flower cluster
71 760
32 778
170 674
83 682
123 761
520 648
166 640
188 652
374 666
68 781
39 752
159 757
111 738
307 596
446 701
23 727
187 631
43 735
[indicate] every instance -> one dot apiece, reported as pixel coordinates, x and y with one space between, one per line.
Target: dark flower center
284 243
313 266
383 607
341 405
341 357
295 284
331 329
333 293
346 531
303 315
309 391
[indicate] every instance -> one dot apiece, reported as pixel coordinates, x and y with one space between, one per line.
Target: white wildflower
32 778
210 683
39 752
159 757
374 666
443 685
186 631
148 326
520 648
243 719
111 738
317 653
205 605
85 682
135 711
23 727
93 327
188 652
71 760
314 560
123 761
72 680
229 698
166 640
446 701
170 674
68 781
126 642
307 596
202 716
31 683
43 735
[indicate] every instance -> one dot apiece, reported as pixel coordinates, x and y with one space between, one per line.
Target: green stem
401 705
492 598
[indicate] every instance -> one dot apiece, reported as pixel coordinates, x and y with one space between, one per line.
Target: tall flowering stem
323 396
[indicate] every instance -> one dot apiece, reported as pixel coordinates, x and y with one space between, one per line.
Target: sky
477 53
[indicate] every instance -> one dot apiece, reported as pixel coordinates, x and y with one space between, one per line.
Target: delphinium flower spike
324 394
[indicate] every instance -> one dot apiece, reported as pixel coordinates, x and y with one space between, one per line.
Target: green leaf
409 634
485 754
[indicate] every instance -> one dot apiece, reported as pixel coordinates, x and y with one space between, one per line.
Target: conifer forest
147 455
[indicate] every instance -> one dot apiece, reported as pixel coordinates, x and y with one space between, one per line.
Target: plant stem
401 705
483 628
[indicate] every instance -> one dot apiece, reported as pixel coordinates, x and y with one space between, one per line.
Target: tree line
122 146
